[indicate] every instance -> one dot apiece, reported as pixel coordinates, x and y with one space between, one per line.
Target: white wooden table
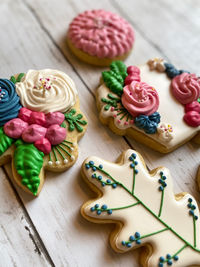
49 230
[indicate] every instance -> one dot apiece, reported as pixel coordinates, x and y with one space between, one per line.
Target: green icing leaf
111 101
63 125
28 161
114 79
119 68
12 78
5 141
74 121
19 77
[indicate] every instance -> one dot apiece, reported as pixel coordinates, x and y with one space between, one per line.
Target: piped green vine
75 121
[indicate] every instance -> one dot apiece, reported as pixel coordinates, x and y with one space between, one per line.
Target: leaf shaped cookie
145 209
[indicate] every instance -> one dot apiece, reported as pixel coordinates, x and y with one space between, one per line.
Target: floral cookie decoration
98 37
140 102
147 214
40 124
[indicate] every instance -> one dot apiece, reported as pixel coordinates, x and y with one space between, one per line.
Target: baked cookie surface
155 103
98 37
40 125
145 210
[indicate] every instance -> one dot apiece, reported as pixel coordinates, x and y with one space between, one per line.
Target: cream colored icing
47 91
137 219
171 111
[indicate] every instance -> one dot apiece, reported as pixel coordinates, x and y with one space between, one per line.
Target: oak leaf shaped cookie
145 210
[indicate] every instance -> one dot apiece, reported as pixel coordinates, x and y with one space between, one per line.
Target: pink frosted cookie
156 104
98 37
145 210
40 125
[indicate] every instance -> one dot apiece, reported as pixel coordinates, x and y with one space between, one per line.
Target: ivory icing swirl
9 101
140 99
186 88
101 33
47 91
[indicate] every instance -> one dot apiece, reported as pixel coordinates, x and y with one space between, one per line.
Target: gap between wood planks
35 237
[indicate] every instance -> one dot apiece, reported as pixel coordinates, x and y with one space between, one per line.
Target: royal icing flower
165 132
9 101
101 33
140 99
186 88
156 64
46 91
192 114
37 128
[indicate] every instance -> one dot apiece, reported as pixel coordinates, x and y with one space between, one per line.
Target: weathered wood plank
18 239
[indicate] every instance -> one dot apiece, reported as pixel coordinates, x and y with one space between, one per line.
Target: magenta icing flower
192 115
186 88
101 33
36 127
140 99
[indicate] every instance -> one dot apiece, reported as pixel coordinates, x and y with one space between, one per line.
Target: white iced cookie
138 101
144 207
47 91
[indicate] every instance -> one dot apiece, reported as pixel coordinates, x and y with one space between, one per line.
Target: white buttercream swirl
47 91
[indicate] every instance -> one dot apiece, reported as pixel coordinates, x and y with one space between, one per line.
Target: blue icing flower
155 117
143 122
172 71
9 101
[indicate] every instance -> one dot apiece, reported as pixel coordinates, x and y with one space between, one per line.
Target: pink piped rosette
138 97
43 130
186 89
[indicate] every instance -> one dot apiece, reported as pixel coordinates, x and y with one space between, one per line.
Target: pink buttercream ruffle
101 33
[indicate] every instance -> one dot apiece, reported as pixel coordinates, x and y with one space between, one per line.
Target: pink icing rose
140 99
194 106
33 133
192 118
24 114
37 118
56 134
43 145
186 88
15 127
54 118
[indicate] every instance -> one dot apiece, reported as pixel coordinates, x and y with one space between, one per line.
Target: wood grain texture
33 35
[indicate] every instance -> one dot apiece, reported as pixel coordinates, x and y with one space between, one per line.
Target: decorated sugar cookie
98 37
40 125
147 213
156 104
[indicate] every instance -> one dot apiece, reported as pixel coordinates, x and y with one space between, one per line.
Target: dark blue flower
143 122
9 101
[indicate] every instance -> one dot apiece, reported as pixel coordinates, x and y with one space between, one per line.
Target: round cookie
98 37
145 210
155 103
40 125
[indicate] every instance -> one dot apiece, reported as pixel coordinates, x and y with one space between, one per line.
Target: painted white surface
33 36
